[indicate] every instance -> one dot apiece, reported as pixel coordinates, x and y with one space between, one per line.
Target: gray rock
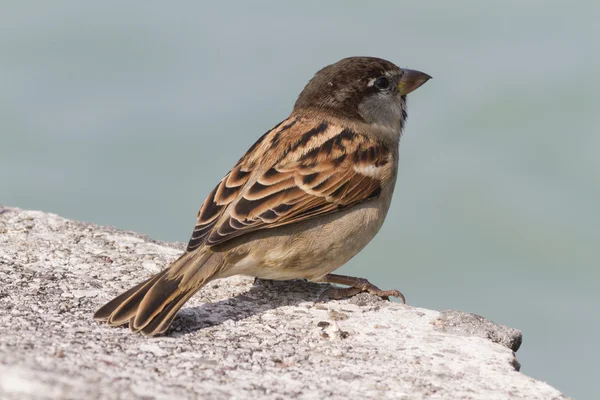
234 339
462 323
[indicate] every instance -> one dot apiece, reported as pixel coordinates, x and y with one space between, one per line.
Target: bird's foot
357 285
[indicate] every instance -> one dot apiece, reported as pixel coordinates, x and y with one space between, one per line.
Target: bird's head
367 89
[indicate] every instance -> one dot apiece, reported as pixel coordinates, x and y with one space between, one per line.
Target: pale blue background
127 113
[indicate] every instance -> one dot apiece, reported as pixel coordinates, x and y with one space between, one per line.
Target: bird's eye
382 83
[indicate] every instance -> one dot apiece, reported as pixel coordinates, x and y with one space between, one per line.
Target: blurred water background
128 113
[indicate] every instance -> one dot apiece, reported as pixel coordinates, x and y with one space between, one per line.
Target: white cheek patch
370 171
371 82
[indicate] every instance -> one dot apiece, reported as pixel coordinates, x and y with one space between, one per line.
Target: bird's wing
300 169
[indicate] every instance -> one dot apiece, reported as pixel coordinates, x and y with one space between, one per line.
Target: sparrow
305 198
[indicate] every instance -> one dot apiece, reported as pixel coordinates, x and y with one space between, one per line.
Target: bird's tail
151 306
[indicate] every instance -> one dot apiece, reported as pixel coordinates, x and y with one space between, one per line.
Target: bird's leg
357 285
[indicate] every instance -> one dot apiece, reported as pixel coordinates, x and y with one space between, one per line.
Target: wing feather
324 168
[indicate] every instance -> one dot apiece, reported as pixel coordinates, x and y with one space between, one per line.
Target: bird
305 198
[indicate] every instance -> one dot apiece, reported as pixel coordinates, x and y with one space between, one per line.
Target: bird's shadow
262 296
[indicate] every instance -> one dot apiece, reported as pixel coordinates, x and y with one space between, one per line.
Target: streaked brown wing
325 168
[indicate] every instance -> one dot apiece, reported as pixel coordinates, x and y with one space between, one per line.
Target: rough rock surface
232 340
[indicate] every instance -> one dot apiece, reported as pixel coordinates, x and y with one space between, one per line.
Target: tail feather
107 311
151 306
158 297
161 322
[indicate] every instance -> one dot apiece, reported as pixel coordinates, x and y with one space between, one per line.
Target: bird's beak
411 80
